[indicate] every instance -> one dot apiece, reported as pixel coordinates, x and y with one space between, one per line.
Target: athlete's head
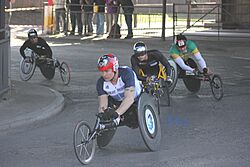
181 41
32 35
140 50
108 65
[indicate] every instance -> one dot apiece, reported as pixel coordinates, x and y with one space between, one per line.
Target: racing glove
205 70
108 114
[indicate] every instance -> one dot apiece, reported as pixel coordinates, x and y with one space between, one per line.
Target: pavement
26 103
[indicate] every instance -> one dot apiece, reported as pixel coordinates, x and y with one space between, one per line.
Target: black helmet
180 40
140 47
32 33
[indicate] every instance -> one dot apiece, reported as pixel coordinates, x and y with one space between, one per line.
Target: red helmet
108 61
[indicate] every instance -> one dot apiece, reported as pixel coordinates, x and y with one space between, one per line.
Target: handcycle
158 85
193 82
85 138
157 88
28 66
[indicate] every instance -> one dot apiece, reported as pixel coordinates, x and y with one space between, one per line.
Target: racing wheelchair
47 67
193 82
157 85
85 138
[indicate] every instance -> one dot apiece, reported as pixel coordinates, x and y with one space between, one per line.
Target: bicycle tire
81 145
174 75
65 73
27 70
216 85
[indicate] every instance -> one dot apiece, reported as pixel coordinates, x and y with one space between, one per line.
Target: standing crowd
95 12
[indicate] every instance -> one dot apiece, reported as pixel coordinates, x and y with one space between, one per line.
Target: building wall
236 14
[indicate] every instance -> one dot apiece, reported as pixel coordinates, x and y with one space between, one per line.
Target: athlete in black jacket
148 61
36 44
41 48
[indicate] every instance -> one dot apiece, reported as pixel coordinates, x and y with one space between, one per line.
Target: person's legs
100 24
79 22
57 20
63 16
73 22
128 19
89 22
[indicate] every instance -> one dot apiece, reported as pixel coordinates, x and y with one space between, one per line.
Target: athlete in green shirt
186 54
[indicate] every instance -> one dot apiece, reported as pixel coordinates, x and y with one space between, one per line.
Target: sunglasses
140 54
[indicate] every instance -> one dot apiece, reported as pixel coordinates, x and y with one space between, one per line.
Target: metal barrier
159 21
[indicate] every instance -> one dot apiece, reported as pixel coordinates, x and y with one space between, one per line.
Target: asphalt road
196 129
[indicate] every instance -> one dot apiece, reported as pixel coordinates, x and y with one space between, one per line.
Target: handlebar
100 125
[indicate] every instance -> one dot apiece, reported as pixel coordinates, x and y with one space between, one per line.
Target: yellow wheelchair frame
161 73
157 90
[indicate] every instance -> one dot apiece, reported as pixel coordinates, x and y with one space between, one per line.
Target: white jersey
126 78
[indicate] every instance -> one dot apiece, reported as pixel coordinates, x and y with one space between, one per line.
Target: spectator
128 9
112 10
88 15
75 7
60 15
99 9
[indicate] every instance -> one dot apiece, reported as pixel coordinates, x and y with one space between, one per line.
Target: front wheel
217 87
84 146
65 73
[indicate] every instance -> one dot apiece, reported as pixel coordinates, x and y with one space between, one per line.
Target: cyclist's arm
22 48
182 64
200 60
196 54
127 101
103 102
136 69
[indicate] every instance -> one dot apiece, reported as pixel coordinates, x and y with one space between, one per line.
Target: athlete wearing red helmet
118 86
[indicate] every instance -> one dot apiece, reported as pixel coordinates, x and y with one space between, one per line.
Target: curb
53 108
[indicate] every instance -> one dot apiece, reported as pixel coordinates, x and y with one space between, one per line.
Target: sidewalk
26 103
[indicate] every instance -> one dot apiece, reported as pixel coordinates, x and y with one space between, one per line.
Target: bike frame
161 74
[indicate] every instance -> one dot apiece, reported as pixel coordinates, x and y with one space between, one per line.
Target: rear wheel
149 122
174 75
84 146
65 73
27 69
217 87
